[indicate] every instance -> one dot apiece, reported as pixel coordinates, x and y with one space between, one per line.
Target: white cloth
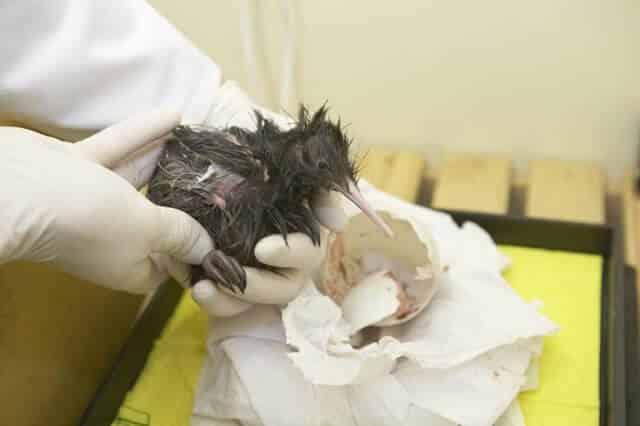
462 360
72 67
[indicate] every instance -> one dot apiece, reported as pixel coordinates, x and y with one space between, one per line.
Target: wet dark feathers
268 178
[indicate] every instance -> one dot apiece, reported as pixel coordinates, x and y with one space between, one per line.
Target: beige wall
544 78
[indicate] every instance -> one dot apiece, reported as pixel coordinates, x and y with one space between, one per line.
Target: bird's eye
322 165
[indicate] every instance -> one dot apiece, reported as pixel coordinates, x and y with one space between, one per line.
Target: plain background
529 79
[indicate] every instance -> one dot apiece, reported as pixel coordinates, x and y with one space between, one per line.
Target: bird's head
318 158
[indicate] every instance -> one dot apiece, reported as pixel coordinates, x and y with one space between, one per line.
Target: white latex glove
60 204
300 258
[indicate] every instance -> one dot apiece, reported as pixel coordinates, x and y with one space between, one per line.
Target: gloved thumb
180 236
114 144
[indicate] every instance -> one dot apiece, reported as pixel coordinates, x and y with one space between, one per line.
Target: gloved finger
328 212
115 143
146 277
176 234
139 168
266 287
233 107
155 270
299 253
215 302
282 121
179 271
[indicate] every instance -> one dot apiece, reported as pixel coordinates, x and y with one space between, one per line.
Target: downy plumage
245 185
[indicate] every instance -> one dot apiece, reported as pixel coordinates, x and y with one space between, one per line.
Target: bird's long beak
355 196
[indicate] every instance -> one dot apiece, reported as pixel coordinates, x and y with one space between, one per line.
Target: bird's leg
197 274
225 271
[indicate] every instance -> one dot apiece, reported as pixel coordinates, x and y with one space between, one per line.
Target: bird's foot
225 271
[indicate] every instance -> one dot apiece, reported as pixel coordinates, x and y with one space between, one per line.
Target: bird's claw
225 271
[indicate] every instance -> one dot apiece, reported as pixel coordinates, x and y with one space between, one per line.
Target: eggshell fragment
363 265
372 300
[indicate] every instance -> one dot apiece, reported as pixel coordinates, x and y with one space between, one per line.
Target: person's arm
60 204
72 67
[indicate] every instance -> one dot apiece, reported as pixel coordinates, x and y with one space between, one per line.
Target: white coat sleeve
71 67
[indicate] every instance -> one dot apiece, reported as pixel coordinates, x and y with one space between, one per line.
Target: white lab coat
71 67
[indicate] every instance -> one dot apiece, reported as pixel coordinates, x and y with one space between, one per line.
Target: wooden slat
399 173
631 226
405 176
58 339
376 164
630 220
564 190
474 183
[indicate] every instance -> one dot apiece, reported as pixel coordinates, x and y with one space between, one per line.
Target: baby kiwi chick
245 185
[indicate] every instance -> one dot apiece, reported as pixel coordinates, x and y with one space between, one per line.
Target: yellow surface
164 392
569 285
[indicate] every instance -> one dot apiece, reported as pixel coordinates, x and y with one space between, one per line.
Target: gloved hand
62 205
300 257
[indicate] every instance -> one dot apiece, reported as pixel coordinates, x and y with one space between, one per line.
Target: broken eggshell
378 280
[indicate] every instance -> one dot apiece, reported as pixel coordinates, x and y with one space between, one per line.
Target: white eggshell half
410 254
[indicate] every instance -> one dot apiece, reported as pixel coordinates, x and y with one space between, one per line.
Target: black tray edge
103 409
